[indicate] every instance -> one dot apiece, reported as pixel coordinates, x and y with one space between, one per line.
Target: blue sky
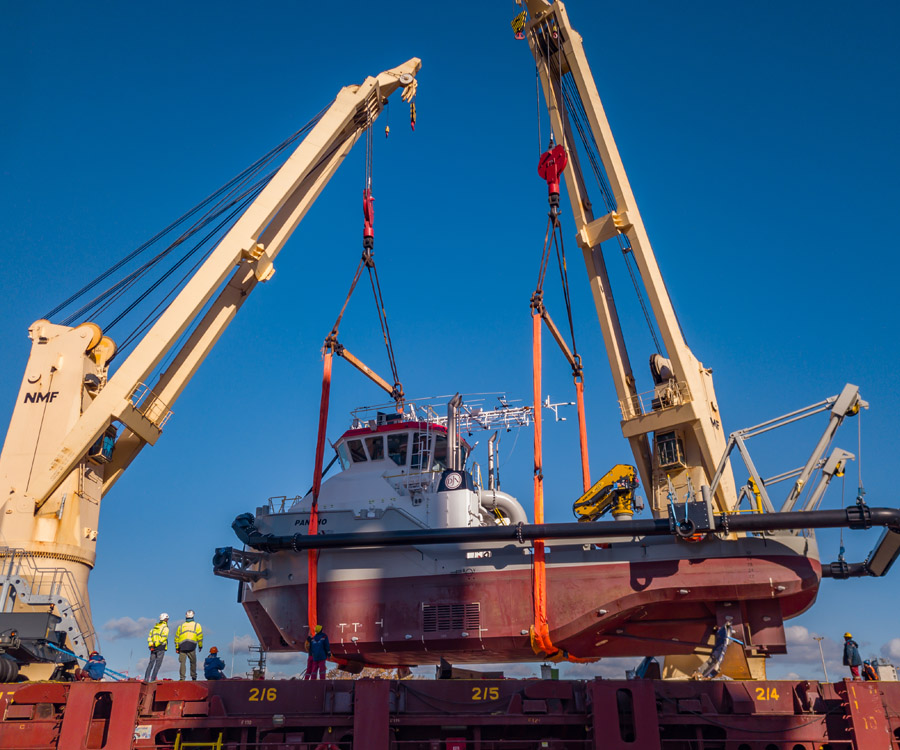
760 143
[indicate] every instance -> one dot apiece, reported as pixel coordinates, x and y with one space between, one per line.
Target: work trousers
315 671
192 655
156 659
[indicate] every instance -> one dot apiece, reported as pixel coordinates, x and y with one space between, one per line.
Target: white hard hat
189 614
163 616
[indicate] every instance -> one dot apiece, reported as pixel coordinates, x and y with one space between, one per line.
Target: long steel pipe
854 517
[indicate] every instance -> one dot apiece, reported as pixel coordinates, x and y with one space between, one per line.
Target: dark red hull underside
623 609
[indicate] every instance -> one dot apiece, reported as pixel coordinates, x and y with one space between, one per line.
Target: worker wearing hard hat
94 668
319 652
852 658
158 642
869 672
213 666
188 638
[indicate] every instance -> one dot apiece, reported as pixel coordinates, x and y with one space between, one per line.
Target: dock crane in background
675 431
63 451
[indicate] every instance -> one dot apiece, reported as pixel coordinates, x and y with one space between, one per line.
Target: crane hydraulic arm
675 430
63 450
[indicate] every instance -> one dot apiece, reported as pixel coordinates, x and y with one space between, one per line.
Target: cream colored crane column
50 489
684 407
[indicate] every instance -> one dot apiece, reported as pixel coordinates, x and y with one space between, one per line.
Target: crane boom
675 430
63 450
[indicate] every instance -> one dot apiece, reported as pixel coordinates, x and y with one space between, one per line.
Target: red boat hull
656 607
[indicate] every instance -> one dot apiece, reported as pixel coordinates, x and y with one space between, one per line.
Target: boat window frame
343 455
437 465
404 451
372 441
353 457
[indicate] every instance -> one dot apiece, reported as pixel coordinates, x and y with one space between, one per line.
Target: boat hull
632 598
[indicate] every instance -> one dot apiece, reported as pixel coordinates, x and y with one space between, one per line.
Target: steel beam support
371 715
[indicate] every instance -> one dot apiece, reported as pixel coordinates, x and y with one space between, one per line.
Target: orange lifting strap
332 347
550 168
312 556
582 434
540 630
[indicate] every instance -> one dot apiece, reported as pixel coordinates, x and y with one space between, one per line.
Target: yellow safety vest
159 635
189 631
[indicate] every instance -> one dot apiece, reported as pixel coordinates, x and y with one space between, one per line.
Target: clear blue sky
761 145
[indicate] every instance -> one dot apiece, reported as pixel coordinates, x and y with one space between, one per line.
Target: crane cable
553 239
550 167
332 347
214 200
571 102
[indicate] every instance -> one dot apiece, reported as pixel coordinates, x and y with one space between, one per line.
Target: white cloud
128 627
891 649
290 657
241 644
797 634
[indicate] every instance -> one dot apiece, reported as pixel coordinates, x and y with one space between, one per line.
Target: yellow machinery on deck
614 492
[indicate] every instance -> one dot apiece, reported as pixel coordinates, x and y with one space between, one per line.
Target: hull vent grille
443 617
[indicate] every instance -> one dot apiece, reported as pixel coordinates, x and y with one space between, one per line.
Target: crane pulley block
550 166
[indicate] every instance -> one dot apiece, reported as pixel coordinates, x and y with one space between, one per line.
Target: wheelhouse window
357 452
376 447
440 453
396 447
343 455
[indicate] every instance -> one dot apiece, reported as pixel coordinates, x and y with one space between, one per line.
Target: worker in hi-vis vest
188 638
157 641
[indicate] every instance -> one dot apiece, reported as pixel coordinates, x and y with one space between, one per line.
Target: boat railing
281 503
148 403
420 481
666 395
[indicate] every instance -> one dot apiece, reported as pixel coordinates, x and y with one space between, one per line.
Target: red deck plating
453 714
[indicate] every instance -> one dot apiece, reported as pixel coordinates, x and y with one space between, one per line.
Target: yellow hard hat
318 628
848 635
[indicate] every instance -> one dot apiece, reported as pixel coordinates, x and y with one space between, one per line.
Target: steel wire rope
382 319
554 227
537 87
213 196
112 294
373 271
223 205
579 118
860 489
564 275
253 191
153 315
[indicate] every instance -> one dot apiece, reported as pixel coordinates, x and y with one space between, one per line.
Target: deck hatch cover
443 617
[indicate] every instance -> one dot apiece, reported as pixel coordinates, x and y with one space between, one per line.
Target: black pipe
841 570
854 517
